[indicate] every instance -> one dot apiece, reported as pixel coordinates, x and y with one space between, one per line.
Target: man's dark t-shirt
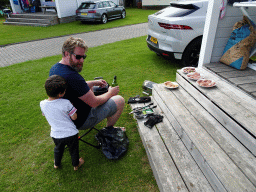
77 87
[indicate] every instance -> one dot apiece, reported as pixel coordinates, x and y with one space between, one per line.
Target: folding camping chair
80 138
97 91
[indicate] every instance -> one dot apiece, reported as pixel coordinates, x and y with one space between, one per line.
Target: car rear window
87 6
106 4
178 10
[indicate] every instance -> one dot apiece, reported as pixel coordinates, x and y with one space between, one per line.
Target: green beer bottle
114 83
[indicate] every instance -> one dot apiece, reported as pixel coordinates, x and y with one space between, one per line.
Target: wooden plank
227 172
193 150
249 87
236 97
234 109
238 73
232 147
189 170
221 68
217 112
166 174
243 80
215 64
231 91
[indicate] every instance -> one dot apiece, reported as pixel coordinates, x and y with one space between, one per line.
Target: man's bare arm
94 101
100 83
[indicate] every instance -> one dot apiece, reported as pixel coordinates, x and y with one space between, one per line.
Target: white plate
197 78
176 84
184 69
208 83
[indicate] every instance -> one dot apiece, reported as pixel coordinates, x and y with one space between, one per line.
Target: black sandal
153 120
139 99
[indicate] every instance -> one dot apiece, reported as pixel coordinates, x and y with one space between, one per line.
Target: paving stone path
17 53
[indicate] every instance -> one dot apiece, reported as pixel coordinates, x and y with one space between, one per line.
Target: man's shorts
99 113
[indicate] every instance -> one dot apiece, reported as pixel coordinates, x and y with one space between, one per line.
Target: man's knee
119 100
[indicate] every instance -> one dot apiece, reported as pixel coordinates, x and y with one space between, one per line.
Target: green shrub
4 2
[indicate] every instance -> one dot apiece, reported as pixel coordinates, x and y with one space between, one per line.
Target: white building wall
66 8
15 8
217 31
225 28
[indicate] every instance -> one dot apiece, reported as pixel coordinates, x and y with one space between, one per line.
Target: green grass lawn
13 34
26 152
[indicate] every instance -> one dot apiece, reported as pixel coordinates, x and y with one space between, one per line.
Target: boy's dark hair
55 85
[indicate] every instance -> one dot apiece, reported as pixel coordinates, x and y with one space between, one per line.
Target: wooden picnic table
48 7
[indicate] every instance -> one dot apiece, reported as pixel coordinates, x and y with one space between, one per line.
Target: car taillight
76 11
92 11
173 26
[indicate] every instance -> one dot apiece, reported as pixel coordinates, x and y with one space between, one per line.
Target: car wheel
104 19
190 56
123 14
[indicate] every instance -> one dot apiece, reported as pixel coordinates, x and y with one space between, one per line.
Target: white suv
178 30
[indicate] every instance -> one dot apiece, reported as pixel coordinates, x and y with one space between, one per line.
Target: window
112 4
106 4
100 5
87 6
180 10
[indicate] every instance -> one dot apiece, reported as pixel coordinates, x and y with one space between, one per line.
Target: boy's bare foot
81 162
56 167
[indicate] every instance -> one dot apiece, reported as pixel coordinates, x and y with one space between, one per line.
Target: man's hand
113 90
101 83
94 101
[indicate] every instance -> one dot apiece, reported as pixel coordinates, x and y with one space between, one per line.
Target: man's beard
76 66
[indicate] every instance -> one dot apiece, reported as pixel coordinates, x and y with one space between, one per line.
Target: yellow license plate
153 39
83 13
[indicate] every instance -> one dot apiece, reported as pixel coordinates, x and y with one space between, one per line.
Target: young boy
59 113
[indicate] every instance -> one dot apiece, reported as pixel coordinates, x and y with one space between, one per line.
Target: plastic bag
237 51
113 141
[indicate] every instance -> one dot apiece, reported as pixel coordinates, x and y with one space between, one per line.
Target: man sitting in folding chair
91 109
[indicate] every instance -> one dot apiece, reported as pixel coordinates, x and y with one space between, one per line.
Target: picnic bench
207 140
48 5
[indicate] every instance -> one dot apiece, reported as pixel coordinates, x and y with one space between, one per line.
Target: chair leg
80 138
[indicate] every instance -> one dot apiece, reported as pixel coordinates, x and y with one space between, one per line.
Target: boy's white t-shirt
58 113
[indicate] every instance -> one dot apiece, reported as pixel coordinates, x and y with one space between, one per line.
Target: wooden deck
207 141
243 79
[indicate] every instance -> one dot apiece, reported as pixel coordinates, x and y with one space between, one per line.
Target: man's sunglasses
78 57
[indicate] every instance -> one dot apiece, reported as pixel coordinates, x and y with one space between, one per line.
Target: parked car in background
178 30
100 10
